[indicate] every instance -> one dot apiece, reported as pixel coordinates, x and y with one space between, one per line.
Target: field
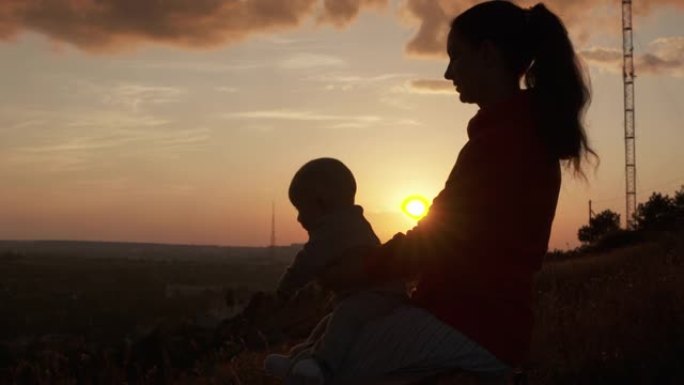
613 317
59 301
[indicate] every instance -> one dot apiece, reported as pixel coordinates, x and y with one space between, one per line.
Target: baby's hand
284 295
349 273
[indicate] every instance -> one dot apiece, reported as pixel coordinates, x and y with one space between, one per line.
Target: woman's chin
464 98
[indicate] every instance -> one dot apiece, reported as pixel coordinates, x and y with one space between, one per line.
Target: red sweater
487 231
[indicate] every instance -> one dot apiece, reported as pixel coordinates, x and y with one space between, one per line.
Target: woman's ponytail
558 86
535 44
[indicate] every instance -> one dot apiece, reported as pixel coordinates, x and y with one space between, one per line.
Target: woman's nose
447 73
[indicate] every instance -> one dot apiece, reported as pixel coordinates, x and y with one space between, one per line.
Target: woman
475 255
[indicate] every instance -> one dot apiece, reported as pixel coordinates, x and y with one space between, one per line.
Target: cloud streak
201 67
665 57
133 96
285 114
430 86
115 25
348 82
310 60
330 121
92 141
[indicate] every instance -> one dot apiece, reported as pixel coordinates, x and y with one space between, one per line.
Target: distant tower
273 234
628 81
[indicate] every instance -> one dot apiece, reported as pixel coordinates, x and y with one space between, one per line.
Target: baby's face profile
309 212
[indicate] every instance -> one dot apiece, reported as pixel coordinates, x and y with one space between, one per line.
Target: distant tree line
660 212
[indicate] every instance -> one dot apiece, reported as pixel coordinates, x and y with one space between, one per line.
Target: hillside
614 317
602 318
147 251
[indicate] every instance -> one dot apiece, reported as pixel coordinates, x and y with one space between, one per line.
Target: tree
658 212
679 201
600 225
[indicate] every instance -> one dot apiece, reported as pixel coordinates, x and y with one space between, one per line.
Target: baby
323 193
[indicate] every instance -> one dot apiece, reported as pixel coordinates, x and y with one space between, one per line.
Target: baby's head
321 186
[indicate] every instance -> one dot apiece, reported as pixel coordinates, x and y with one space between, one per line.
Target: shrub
600 225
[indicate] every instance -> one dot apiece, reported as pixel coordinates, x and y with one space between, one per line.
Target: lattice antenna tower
628 85
273 233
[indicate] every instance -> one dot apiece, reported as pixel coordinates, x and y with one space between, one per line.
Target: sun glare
415 206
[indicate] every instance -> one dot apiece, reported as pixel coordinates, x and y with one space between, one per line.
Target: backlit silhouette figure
323 193
475 254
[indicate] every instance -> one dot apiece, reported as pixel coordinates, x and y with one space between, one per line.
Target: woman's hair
535 44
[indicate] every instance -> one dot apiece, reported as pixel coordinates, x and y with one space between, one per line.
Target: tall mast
628 85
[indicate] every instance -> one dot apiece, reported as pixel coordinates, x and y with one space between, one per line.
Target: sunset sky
182 121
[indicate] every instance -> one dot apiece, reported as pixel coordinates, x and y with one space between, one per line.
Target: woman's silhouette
475 254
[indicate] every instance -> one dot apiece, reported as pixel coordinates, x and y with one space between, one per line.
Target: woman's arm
348 272
471 209
365 266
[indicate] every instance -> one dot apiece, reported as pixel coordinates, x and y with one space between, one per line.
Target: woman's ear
490 53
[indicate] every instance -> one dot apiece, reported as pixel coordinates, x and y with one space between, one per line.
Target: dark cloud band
112 25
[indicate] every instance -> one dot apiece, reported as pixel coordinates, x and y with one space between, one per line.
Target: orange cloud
342 12
113 25
582 18
605 58
430 39
665 57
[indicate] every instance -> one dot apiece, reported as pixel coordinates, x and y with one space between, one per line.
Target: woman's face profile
464 69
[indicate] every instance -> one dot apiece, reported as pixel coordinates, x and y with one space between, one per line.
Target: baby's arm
295 277
348 272
305 268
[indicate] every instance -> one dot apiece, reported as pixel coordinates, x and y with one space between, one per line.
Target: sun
415 206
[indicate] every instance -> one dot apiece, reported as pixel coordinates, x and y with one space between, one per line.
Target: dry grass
617 317
610 318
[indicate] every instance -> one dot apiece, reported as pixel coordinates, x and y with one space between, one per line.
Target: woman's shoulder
514 109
